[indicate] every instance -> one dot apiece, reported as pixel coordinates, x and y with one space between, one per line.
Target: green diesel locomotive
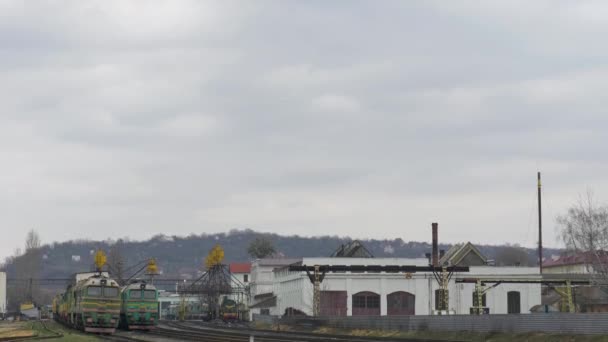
91 305
140 307
229 310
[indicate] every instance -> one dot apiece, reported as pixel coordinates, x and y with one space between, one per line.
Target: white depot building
2 293
380 293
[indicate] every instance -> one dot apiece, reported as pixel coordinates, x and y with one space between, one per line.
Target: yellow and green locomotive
229 310
91 305
139 307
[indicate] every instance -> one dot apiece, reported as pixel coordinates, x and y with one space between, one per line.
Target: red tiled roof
243 267
576 259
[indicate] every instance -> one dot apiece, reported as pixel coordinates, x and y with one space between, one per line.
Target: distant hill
179 256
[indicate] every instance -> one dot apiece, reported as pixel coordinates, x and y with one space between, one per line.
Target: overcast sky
359 118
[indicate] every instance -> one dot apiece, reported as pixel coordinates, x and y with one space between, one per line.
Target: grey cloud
357 118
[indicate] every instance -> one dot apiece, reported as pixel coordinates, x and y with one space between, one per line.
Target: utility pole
540 227
316 296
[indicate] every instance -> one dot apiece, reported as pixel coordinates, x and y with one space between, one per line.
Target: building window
373 302
245 278
359 302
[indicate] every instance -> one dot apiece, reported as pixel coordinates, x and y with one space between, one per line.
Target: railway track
189 332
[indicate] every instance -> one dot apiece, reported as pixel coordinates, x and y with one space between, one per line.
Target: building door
366 304
400 303
333 303
513 302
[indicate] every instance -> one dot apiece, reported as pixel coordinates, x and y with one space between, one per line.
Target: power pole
316 294
540 227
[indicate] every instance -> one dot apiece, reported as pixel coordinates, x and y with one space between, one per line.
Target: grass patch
70 335
10 330
15 329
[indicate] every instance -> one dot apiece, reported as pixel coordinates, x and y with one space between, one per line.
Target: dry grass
15 329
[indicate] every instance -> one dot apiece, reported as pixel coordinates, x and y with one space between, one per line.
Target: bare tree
584 229
261 248
32 240
512 255
116 262
27 268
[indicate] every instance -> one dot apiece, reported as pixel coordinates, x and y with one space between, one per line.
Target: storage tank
2 293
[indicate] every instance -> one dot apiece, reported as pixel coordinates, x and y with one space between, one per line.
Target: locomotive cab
92 304
100 303
139 308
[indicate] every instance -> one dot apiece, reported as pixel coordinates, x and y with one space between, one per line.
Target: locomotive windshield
94 291
147 294
110 292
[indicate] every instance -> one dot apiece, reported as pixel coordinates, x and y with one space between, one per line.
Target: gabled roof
456 254
354 249
582 258
243 267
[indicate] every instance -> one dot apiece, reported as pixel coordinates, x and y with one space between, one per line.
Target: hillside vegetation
183 256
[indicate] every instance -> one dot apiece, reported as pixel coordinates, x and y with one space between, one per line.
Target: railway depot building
380 293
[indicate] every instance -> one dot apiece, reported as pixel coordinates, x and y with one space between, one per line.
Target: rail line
200 333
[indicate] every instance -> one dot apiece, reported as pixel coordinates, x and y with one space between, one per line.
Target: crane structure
215 282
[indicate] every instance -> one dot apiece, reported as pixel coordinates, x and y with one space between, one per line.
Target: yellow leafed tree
100 259
215 257
152 268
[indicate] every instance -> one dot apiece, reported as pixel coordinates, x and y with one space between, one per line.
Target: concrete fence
554 323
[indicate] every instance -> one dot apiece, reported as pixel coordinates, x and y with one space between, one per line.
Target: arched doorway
513 302
333 303
400 303
366 304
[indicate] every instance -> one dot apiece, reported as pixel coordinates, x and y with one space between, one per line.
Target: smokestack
435 245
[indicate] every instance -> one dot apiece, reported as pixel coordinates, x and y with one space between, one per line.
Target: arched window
400 303
366 304
513 302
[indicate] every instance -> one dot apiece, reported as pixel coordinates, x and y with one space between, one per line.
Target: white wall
261 279
293 289
241 277
366 261
2 292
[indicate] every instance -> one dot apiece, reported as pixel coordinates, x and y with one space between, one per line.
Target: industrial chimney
435 245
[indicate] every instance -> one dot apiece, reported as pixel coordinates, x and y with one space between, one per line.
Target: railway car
139 306
228 310
91 305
